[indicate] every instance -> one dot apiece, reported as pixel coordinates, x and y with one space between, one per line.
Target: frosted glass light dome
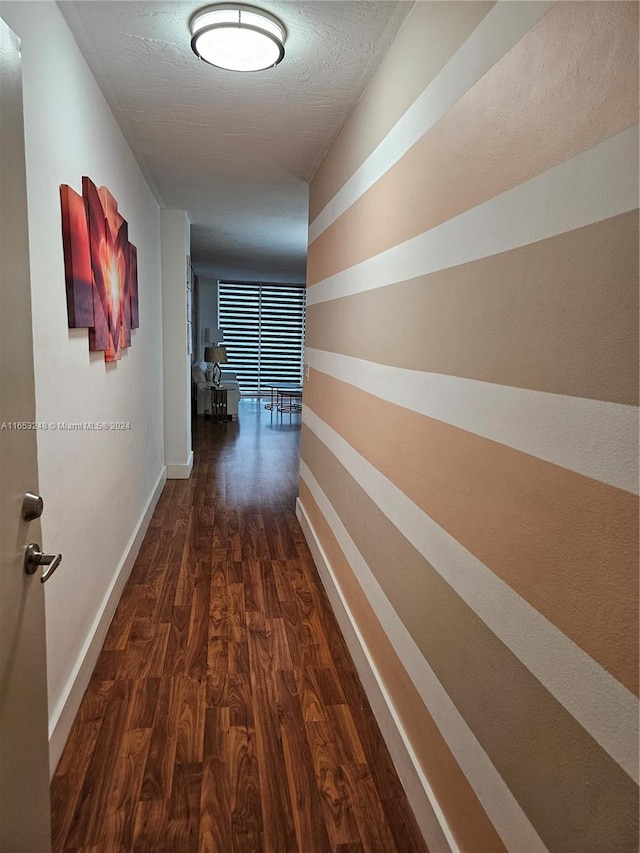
237 37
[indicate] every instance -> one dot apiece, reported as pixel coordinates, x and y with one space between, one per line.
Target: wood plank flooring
225 713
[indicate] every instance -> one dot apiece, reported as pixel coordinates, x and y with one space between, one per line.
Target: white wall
98 486
175 229
207 310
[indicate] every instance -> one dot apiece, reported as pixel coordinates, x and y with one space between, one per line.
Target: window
263 332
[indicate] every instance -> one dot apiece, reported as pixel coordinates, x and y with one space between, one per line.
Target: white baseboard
180 472
63 715
428 813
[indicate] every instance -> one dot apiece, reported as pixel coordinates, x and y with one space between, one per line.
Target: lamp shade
215 355
237 37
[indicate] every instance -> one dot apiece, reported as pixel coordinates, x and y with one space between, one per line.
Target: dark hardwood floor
225 713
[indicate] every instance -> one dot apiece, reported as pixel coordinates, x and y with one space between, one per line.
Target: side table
217 403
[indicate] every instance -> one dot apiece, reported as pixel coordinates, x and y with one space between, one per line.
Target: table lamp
216 355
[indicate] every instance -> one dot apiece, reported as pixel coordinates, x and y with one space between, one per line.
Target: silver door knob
33 557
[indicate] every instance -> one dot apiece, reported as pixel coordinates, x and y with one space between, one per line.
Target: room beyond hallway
225 713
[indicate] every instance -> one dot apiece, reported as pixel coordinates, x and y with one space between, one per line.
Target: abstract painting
101 268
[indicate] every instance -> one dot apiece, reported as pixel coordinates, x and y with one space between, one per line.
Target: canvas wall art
101 268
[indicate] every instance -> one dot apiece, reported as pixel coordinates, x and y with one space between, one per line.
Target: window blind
263 332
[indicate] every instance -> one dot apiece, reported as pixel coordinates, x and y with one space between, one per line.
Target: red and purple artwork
101 268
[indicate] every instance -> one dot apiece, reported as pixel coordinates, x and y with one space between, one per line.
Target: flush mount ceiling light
237 37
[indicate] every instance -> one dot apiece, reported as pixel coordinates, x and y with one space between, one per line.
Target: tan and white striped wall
469 464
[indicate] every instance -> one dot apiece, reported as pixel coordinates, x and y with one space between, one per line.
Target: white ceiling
235 150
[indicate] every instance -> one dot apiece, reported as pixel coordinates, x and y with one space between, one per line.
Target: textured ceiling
235 150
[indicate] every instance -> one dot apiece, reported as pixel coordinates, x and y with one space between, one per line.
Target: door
24 749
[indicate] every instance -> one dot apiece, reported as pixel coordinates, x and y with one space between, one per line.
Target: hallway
224 713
